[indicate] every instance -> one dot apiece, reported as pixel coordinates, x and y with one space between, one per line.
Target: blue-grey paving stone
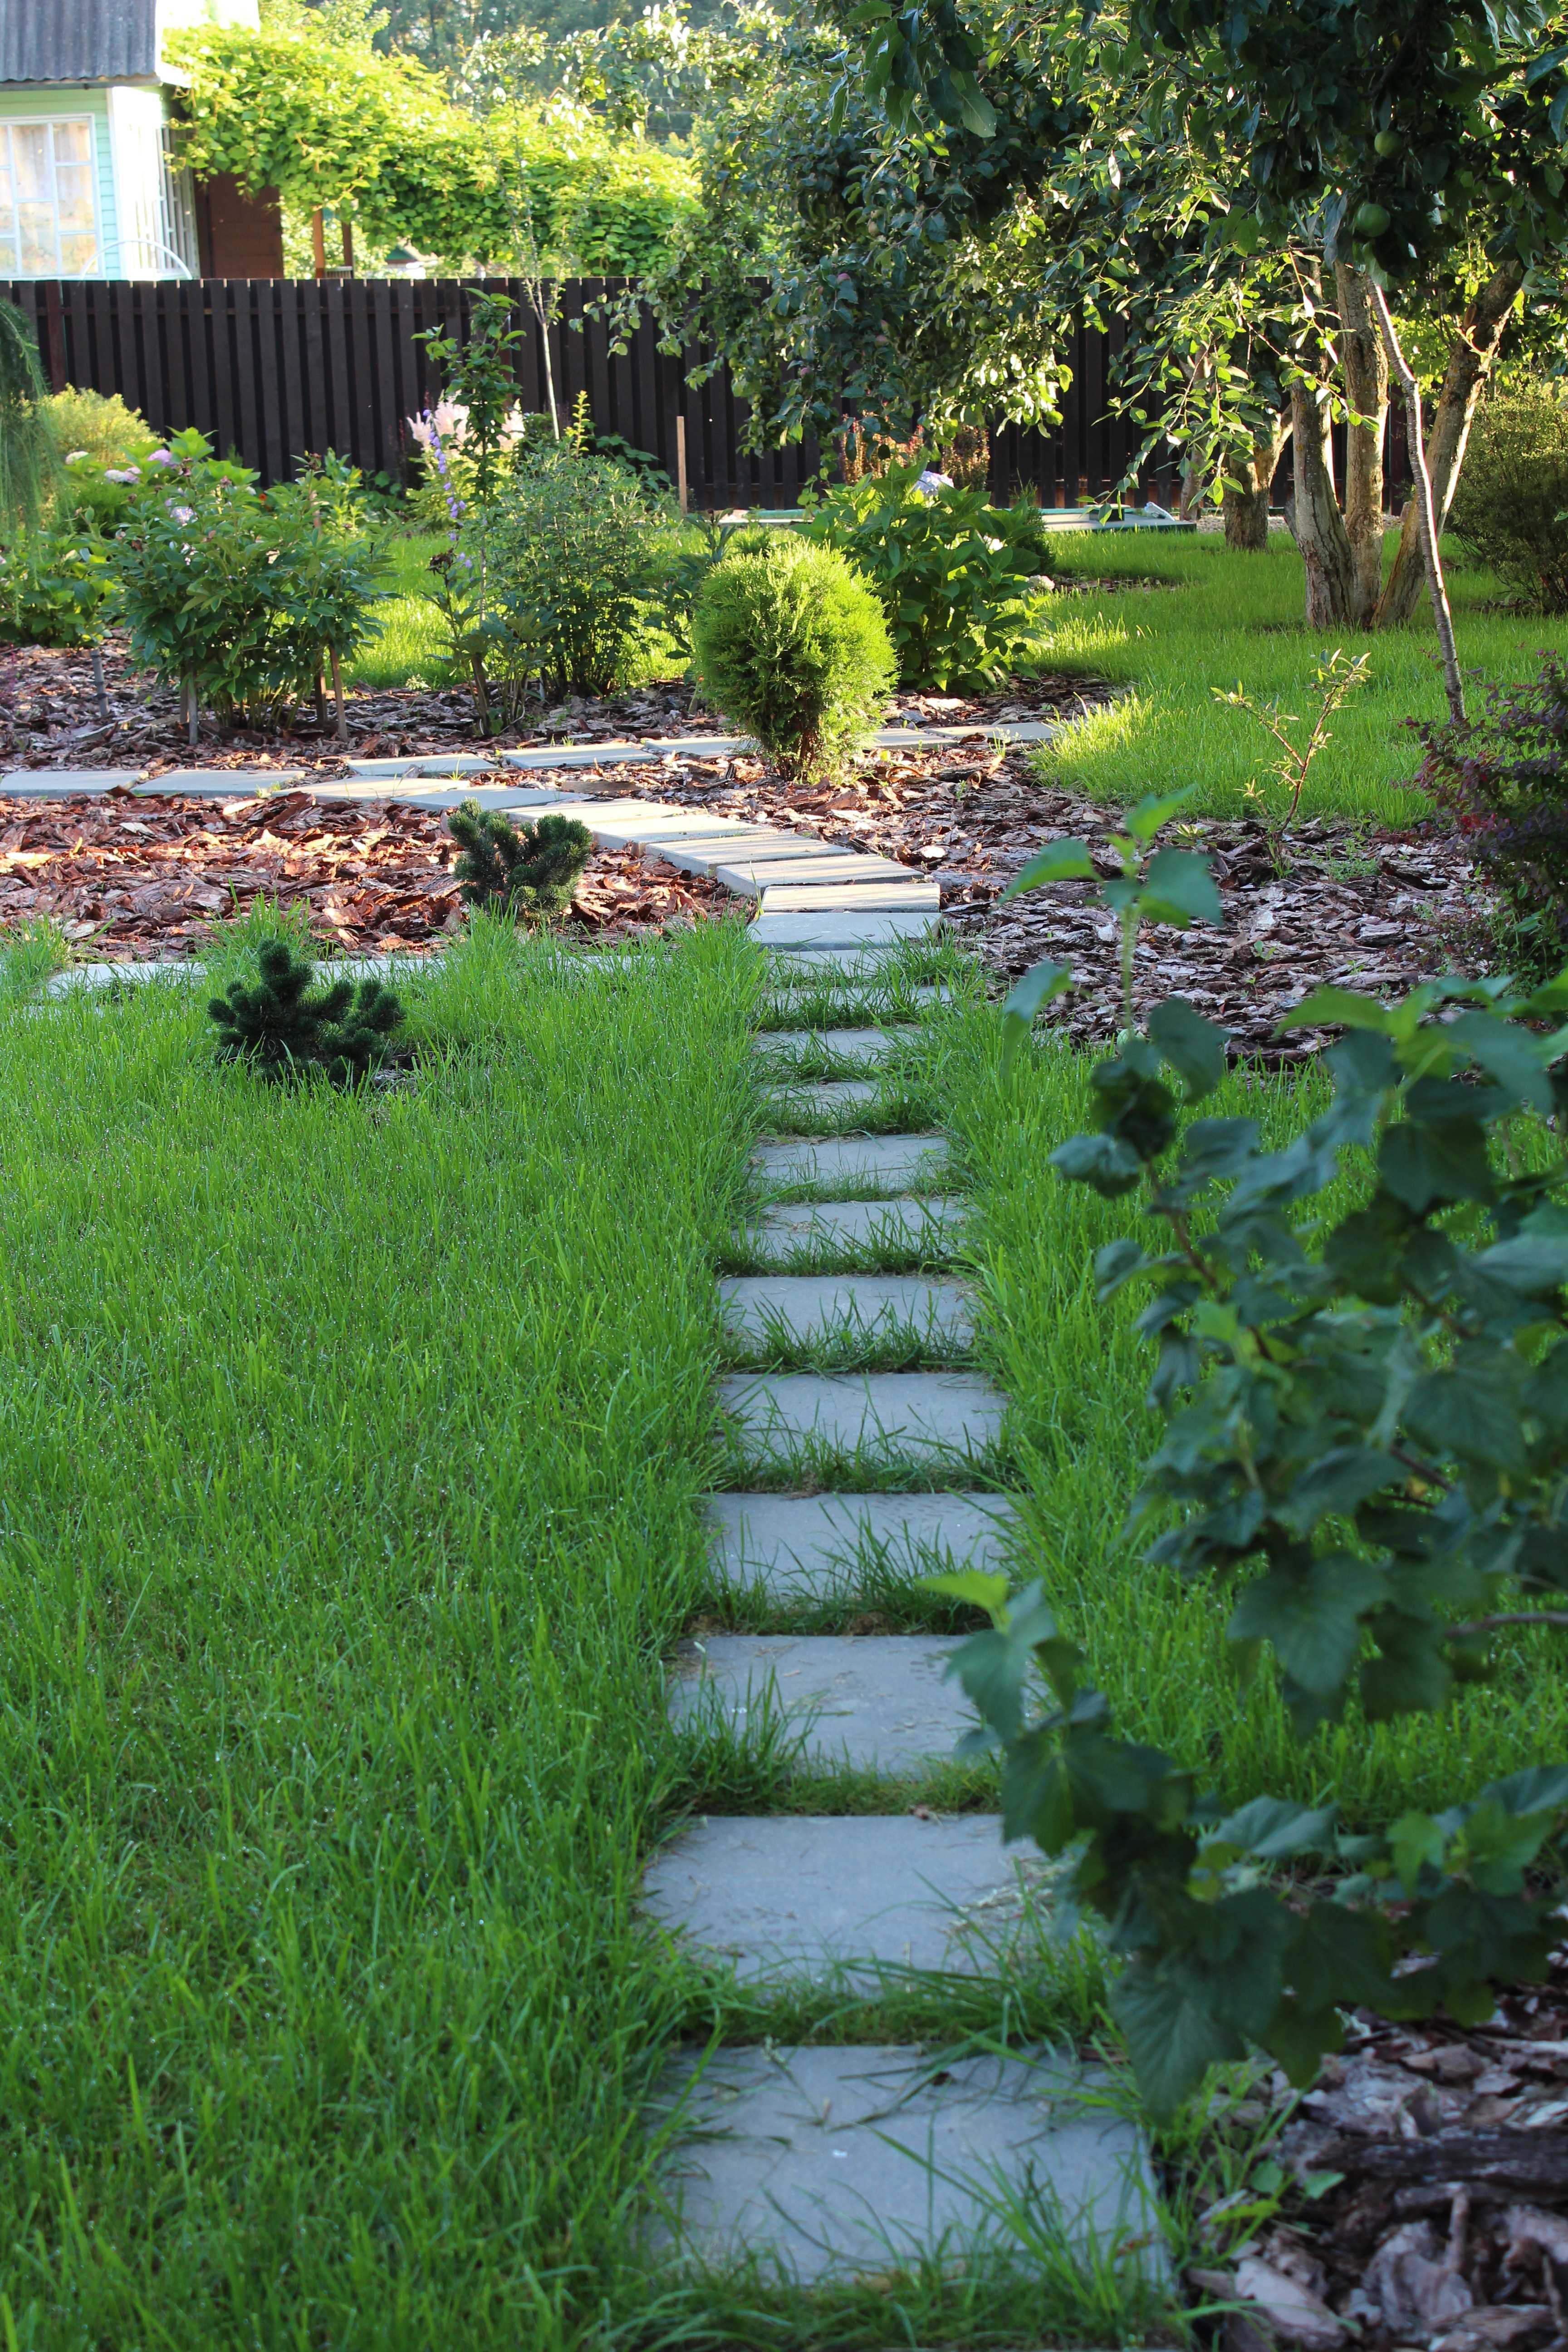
830 2164
926 1417
425 763
808 1308
222 783
877 1702
863 928
793 1897
899 894
863 1047
790 1101
804 1547
64 783
862 1164
933 1223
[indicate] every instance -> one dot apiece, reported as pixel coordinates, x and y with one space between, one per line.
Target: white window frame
38 121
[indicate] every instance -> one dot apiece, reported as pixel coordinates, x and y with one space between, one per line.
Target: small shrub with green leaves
572 564
53 587
954 572
703 542
1367 1439
791 646
277 1028
103 448
509 873
1510 509
1503 778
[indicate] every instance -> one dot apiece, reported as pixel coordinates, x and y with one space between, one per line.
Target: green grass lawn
350 1458
1216 618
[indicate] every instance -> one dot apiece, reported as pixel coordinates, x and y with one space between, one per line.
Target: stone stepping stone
862 1047
837 2163
889 893
872 1164
859 929
931 1223
707 852
801 1309
427 763
793 1897
793 1101
808 1546
64 783
222 783
873 1702
934 1419
748 875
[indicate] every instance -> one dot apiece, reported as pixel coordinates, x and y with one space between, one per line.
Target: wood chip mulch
1448 2226
141 880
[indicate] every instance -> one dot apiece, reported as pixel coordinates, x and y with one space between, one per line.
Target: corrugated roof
77 40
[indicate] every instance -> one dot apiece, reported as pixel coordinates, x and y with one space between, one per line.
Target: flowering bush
53 587
237 595
953 574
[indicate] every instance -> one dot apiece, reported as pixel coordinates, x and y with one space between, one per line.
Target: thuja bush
280 1030
954 574
791 646
509 873
1503 777
1367 1439
1510 509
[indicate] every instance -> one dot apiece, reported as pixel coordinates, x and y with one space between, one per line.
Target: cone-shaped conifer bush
509 873
280 1031
791 646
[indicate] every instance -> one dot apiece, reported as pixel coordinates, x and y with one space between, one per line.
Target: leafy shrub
953 572
1503 777
570 566
702 543
103 447
1510 509
28 461
281 1032
237 595
1367 1437
509 873
53 589
791 646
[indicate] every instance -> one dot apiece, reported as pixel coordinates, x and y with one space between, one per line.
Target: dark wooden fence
273 367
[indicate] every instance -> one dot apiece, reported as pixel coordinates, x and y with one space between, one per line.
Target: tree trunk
1469 365
1194 478
1365 363
1245 504
1426 511
1319 527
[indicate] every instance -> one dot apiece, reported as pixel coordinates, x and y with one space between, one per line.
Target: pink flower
162 457
183 514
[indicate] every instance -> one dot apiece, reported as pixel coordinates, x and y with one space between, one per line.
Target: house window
48 221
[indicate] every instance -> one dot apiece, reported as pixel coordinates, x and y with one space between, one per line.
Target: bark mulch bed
141 880
1448 2225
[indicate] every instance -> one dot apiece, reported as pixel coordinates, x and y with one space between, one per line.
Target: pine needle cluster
281 1032
509 873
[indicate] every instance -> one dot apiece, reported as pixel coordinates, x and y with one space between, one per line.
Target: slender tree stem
1425 513
1557 1618
342 727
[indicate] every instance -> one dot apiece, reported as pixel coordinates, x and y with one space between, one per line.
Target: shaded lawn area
1076 1374
1224 618
350 1458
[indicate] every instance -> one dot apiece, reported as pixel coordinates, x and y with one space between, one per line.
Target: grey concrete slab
748 875
926 1417
790 1100
626 754
223 783
862 928
931 1223
830 2164
489 796
426 763
876 1703
861 1047
706 852
64 783
787 1896
89 976
806 1546
903 893
805 1308
859 1163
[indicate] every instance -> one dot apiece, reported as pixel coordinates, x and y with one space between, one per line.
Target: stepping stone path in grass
817 2164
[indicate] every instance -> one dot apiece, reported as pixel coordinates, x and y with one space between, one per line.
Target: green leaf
1038 987
1144 820
1535 1264
1420 1165
1177 880
1334 1485
1194 1048
1417 1843
1336 1008
1172 2035
1314 1617
974 1587
1273 1827
1059 861
993 1666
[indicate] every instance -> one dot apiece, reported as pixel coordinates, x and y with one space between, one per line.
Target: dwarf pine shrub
280 1031
791 646
509 873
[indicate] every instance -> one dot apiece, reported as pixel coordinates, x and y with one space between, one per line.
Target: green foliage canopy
377 138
